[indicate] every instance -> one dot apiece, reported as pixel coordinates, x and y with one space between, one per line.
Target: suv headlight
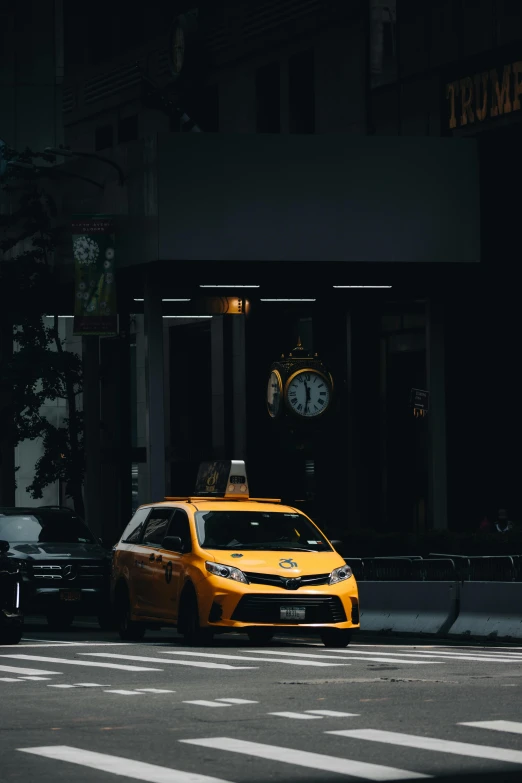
340 574
227 572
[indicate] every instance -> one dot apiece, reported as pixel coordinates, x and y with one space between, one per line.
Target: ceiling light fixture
362 286
230 286
288 300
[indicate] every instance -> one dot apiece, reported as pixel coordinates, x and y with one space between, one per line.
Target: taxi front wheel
188 624
129 630
336 637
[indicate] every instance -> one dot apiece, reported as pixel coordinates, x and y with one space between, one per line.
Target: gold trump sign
483 95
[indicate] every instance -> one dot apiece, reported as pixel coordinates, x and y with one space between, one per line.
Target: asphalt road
82 705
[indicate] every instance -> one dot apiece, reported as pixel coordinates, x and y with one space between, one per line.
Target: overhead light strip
288 300
187 317
362 286
166 300
230 286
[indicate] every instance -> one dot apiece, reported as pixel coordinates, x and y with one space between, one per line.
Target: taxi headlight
340 574
227 572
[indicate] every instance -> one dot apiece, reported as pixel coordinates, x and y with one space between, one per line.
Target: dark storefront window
128 129
268 97
301 93
103 137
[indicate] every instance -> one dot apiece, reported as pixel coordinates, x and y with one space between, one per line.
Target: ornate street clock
299 386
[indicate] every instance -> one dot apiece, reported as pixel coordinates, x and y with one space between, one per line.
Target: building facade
286 74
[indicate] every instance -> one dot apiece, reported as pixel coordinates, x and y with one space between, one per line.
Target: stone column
218 386
154 385
91 413
435 374
239 386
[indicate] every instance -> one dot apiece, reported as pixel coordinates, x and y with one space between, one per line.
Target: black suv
11 618
65 571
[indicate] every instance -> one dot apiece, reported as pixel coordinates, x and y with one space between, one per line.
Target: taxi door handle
151 556
159 558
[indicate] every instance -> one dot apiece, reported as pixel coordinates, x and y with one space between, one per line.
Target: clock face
273 394
308 393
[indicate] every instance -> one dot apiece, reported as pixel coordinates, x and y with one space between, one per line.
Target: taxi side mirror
4 546
338 545
172 544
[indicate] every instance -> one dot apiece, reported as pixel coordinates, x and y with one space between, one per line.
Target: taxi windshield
258 530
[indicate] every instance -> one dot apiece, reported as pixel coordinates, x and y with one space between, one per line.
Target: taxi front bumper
239 605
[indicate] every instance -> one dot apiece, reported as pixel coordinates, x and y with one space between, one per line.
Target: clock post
300 396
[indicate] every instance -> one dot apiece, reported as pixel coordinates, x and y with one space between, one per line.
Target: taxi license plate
70 595
292 613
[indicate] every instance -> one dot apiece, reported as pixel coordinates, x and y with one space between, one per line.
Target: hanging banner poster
95 309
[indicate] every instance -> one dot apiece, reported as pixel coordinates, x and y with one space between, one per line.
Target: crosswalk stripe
304 758
238 701
122 692
154 690
21 670
486 655
162 661
335 657
420 655
430 743
512 726
296 715
138 770
334 713
35 679
250 658
10 679
67 662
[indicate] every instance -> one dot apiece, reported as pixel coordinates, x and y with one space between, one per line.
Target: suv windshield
258 530
46 528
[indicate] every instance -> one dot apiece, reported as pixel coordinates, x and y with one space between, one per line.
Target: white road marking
118 765
303 758
124 693
249 658
69 644
396 657
90 685
334 713
296 715
334 657
429 652
11 679
430 743
512 726
153 690
20 670
239 701
205 703
80 663
163 661
35 678
61 685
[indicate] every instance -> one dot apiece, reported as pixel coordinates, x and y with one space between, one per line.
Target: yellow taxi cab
222 561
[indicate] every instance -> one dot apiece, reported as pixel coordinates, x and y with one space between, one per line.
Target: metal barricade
440 569
357 566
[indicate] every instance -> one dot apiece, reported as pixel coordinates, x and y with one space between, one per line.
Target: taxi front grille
266 609
277 580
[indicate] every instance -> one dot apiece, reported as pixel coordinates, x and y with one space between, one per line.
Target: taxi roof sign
222 478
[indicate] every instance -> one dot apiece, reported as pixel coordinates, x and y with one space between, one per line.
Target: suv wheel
188 624
129 630
336 637
10 635
60 620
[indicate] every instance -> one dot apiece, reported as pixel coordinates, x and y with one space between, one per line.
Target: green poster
95 309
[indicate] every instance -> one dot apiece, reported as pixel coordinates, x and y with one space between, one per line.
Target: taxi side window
180 526
132 533
156 527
